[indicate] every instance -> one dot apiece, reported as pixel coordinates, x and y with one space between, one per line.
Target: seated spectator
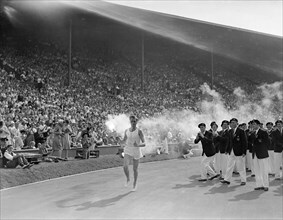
12 160
43 150
3 145
30 146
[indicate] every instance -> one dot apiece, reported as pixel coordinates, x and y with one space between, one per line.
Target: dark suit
271 160
277 141
260 144
238 142
250 138
224 138
270 135
207 144
222 141
260 157
209 151
277 138
216 141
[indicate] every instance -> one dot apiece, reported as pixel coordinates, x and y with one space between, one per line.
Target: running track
166 190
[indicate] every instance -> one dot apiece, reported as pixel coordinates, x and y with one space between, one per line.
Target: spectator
12 160
57 146
66 139
86 143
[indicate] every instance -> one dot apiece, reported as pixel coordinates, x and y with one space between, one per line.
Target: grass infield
50 170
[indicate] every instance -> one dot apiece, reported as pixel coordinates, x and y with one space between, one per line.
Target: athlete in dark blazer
237 150
260 145
277 139
249 133
223 141
271 162
238 142
206 139
278 148
207 144
260 156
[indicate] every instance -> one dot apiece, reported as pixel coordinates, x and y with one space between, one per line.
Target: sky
256 15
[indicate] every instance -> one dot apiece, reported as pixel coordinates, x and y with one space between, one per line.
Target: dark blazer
270 135
260 144
224 138
207 144
250 140
238 142
277 139
216 141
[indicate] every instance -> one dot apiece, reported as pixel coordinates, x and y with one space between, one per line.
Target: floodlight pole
212 68
281 108
70 54
142 64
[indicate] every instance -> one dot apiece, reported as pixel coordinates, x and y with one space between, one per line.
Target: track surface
166 190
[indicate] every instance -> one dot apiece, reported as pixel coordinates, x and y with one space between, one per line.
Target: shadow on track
98 204
222 189
194 182
252 195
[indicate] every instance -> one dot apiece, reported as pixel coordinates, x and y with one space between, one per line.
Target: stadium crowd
37 109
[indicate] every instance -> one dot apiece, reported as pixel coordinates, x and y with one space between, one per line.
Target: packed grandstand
105 79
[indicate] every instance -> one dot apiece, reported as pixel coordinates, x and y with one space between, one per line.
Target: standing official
260 156
237 151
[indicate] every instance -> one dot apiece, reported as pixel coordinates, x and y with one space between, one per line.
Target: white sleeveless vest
130 149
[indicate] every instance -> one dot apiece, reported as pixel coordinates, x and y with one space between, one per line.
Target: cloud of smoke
239 92
118 123
212 108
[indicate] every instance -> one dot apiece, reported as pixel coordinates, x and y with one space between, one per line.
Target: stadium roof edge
255 48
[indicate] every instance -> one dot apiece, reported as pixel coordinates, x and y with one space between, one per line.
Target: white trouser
277 164
221 163
247 161
271 162
217 163
240 162
205 167
250 161
261 172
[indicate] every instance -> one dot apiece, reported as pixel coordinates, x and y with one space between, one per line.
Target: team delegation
242 149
